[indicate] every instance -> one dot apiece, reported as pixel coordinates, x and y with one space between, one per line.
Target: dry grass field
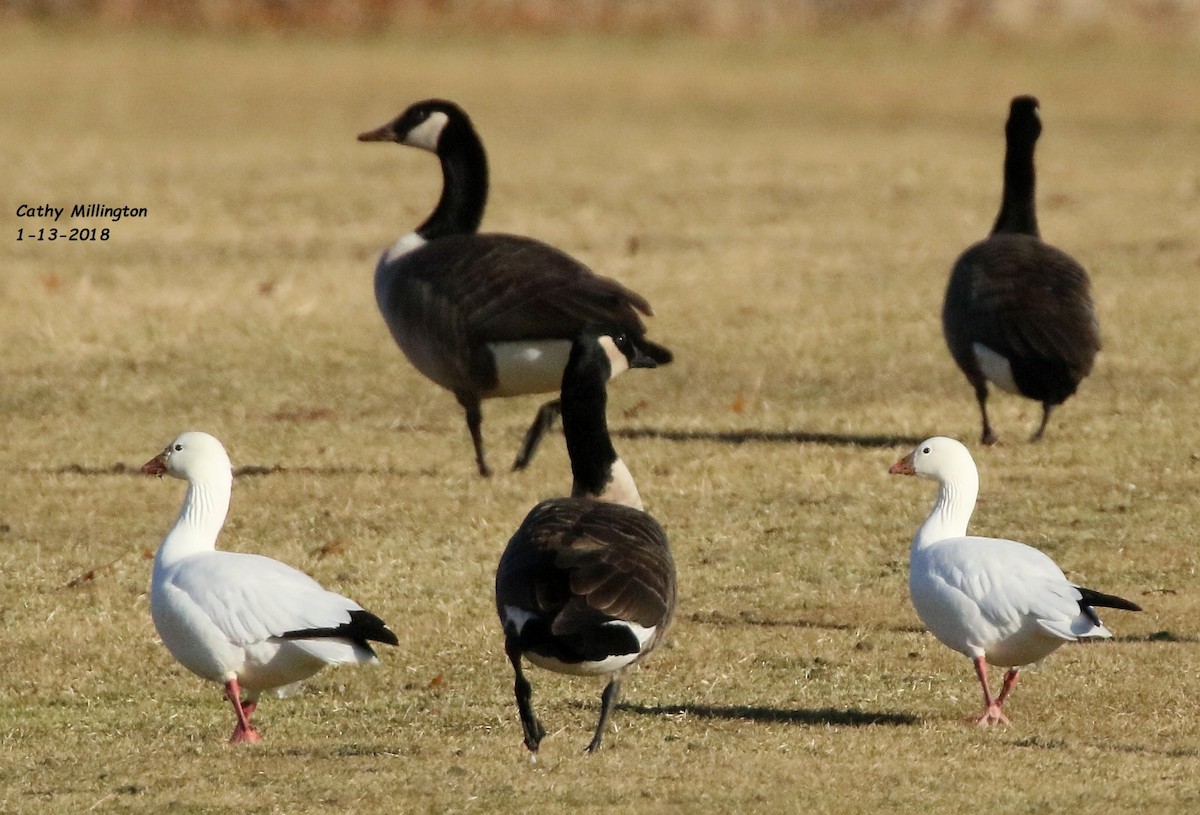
792 208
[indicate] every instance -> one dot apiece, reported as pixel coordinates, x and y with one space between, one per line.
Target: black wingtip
1096 599
365 625
362 628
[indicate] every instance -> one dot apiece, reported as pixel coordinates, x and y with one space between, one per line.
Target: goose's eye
926 450
178 448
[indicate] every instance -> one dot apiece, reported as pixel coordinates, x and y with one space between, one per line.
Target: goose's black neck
1018 211
585 424
464 183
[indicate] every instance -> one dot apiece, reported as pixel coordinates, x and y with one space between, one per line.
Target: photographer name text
80 211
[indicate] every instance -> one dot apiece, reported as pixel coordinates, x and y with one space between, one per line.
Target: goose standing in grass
996 601
248 622
586 585
487 315
1018 312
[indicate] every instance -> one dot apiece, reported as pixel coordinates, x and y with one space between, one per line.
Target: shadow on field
121 468
822 716
748 618
769 436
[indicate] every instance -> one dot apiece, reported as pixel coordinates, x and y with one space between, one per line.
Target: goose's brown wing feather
584 562
505 287
1029 302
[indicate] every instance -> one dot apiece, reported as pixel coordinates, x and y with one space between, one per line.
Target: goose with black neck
1018 312
487 315
586 585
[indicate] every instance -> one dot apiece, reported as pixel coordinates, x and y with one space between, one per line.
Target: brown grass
792 209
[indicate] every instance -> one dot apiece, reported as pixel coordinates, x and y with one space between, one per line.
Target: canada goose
245 621
990 599
586 585
487 315
1018 312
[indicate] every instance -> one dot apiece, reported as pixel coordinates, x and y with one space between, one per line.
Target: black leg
544 420
470 403
981 395
524 693
607 700
1041 431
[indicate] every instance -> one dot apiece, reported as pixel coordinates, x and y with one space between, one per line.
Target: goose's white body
233 617
221 615
994 600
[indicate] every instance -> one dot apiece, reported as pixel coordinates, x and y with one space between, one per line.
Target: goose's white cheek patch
426 134
616 359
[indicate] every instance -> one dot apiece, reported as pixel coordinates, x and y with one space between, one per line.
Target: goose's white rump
246 621
993 600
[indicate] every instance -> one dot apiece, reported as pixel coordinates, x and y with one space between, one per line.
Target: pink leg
244 732
991 707
1010 682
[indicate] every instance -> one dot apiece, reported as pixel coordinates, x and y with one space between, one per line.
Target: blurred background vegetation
724 18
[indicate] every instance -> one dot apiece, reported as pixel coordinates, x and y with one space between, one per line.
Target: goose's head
191 456
1024 123
939 458
422 125
616 350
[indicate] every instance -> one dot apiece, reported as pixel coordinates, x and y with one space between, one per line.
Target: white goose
993 600
246 621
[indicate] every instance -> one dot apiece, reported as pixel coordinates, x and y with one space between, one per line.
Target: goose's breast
191 636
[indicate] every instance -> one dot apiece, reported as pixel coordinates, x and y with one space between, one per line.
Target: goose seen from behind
996 601
1018 312
586 585
487 315
245 621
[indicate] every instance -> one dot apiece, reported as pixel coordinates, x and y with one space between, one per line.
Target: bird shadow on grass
769 436
734 437
768 715
245 470
749 619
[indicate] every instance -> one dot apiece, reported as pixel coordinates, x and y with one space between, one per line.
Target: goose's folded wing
1037 306
250 598
1010 583
587 561
505 287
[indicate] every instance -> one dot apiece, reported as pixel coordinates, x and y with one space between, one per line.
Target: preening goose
487 315
996 601
251 623
586 585
1018 312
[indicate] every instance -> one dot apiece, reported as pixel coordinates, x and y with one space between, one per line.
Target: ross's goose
487 315
1018 312
996 601
248 622
586 585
